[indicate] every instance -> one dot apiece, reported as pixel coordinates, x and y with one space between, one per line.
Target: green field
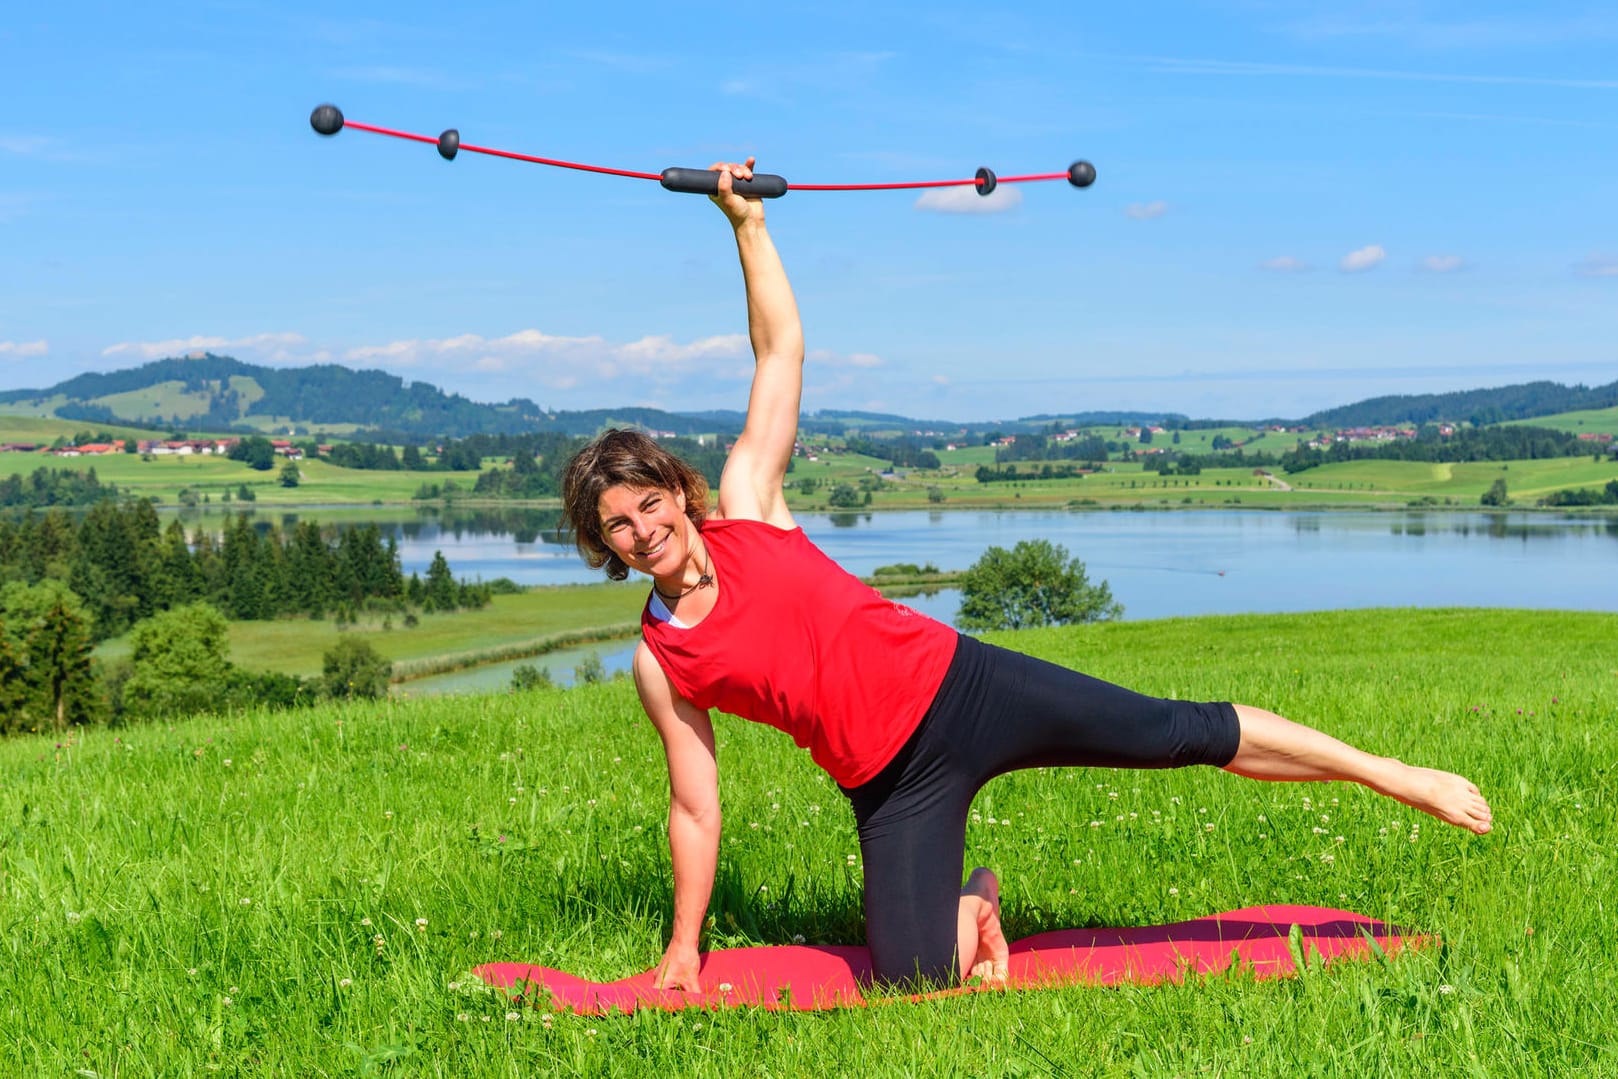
305 893
1347 485
42 430
1589 421
1351 484
170 399
163 477
295 646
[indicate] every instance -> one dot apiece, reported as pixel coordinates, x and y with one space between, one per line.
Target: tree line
1477 407
124 567
46 487
178 664
1467 444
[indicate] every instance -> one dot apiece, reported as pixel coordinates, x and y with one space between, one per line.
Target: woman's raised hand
738 208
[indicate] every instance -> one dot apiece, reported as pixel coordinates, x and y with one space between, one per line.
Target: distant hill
220 393
1479 407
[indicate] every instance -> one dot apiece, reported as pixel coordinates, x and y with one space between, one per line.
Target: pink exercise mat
808 978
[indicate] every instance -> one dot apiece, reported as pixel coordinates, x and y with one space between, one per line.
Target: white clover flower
344 983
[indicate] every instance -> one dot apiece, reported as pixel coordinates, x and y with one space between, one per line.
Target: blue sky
1299 205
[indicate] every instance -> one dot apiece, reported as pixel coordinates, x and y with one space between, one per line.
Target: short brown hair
623 459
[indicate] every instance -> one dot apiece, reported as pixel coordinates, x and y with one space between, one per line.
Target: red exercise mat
805 978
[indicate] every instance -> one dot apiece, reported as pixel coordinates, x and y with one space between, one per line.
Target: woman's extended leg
1274 748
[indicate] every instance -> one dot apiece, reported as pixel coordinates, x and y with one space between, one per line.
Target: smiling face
647 529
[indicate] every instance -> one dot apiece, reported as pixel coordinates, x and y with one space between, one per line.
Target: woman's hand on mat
738 208
979 928
679 970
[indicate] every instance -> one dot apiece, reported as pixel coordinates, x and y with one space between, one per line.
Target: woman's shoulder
717 523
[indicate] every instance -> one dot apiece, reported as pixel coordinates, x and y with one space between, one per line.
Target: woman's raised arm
751 487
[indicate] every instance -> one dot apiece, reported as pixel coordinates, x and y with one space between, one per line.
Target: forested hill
210 393
1478 407
220 393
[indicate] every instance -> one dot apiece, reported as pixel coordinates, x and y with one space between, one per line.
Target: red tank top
799 643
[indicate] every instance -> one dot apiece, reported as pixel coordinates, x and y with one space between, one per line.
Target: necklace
703 581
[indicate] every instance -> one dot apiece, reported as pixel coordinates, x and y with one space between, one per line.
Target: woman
908 716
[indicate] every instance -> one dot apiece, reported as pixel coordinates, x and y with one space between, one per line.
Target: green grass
295 646
165 399
1586 421
1353 484
41 430
283 862
163 477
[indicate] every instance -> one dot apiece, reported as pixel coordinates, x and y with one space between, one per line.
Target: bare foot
978 928
1451 798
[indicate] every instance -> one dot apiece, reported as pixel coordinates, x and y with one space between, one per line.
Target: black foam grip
326 119
763 185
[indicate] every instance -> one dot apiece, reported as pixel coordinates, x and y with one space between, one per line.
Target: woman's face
646 528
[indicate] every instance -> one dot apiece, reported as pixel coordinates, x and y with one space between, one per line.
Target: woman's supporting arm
751 487
688 743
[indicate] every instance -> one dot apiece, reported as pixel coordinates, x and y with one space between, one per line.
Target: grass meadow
304 893
534 620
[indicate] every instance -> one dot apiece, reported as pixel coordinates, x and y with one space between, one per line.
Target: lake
1159 564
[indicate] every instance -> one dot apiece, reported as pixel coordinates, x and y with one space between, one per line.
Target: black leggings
996 711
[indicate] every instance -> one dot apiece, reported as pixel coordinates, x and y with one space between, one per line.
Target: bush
844 496
352 668
590 671
1033 584
526 676
178 663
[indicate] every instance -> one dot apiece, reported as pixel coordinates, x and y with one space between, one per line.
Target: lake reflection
1158 563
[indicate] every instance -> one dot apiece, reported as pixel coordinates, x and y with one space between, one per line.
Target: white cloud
526 363
1472 32
1173 65
20 349
964 199
1443 263
554 362
822 357
1145 211
1363 259
1597 266
398 76
24 144
1284 264
272 346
